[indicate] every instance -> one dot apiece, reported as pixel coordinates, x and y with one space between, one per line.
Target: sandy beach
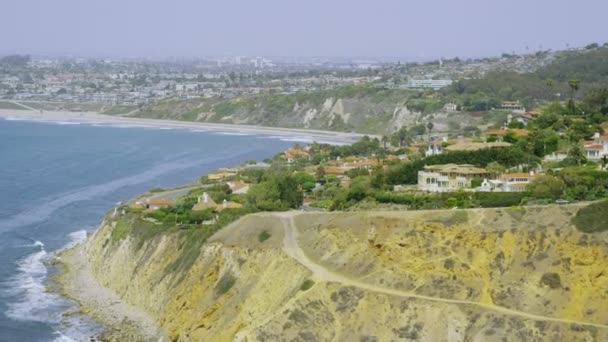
304 135
123 321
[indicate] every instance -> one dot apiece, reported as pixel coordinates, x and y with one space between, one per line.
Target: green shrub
552 280
307 284
593 218
263 236
225 284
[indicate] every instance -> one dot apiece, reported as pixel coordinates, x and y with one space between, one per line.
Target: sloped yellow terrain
516 274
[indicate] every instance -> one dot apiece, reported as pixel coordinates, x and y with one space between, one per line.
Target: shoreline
121 321
96 118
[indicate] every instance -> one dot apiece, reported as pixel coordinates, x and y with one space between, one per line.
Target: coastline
121 321
96 118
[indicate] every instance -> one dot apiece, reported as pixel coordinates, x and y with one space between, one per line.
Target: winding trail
291 247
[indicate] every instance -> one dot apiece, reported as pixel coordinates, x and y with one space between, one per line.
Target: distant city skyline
340 28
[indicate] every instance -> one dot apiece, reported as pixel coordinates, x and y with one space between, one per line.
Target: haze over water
58 180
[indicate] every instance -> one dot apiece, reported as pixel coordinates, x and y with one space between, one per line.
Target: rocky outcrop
524 274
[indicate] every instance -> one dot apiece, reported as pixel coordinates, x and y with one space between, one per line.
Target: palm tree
577 155
385 140
429 127
574 85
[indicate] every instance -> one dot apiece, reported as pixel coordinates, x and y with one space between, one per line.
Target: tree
385 140
577 155
495 168
429 127
546 187
320 173
574 86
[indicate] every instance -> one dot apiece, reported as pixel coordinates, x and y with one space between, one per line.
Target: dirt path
321 273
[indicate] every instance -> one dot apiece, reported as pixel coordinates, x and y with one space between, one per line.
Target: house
158 203
597 147
227 205
515 107
516 182
294 153
433 149
238 187
204 202
222 174
475 146
500 133
449 177
450 107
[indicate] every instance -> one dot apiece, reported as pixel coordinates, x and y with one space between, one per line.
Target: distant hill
373 108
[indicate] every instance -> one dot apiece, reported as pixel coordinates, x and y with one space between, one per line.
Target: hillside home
158 203
597 147
515 107
204 202
449 177
222 174
516 182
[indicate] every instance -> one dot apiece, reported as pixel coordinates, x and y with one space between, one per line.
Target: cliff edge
525 274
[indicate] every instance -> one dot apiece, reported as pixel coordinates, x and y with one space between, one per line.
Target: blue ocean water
56 183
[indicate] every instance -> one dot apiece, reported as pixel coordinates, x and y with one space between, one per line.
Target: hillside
380 108
363 108
521 274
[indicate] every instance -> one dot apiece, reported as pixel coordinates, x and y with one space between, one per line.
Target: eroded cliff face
475 275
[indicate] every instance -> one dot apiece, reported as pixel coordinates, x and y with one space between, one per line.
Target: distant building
433 149
450 107
432 84
515 107
516 182
449 177
596 148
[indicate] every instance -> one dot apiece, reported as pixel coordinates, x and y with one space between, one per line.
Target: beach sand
96 118
123 321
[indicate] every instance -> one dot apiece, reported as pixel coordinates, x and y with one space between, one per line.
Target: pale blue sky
139 28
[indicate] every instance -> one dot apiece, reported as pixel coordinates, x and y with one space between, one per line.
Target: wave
34 303
65 122
48 206
240 134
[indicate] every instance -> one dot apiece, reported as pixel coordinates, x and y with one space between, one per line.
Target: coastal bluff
523 273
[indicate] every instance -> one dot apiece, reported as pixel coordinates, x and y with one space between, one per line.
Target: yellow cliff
524 274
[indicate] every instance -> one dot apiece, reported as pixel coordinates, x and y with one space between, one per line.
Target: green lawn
10 105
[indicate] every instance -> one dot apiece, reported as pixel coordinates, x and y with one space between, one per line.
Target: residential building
516 182
204 202
515 107
450 107
475 146
433 84
597 147
449 177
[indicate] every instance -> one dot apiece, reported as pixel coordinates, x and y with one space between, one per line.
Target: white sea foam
34 303
66 122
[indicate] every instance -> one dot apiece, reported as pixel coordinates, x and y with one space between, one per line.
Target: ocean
57 180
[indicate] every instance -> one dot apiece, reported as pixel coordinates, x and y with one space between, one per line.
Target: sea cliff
525 274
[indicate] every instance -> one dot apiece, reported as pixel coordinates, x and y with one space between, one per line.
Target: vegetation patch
593 218
225 284
307 284
552 280
263 236
121 231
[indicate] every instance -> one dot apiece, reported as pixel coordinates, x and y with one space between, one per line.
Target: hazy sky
405 28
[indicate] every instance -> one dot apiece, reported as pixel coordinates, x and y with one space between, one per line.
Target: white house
596 148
